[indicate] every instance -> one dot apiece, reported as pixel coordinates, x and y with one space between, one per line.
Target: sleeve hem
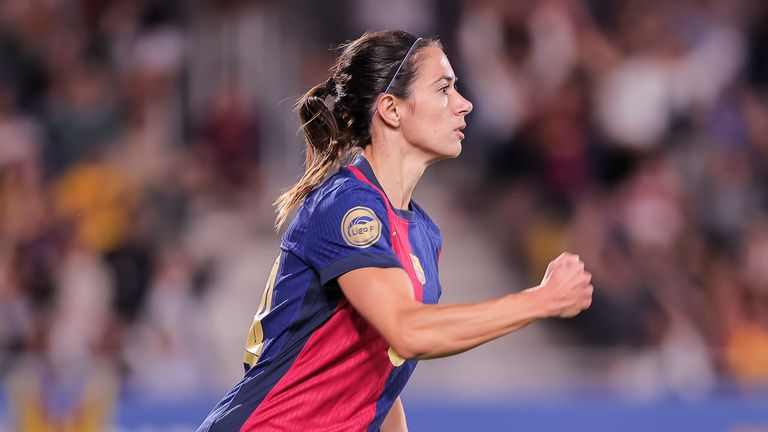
356 261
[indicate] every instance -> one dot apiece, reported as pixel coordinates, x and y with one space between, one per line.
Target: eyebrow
447 78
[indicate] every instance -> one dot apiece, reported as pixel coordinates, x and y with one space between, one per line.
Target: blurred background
142 143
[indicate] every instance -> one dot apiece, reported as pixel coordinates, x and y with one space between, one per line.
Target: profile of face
431 119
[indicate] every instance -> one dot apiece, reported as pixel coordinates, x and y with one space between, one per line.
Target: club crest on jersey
360 227
418 269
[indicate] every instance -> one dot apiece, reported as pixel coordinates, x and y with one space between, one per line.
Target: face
433 116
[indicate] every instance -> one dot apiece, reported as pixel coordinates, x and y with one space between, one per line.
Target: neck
396 172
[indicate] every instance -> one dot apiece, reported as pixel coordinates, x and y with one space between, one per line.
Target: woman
350 305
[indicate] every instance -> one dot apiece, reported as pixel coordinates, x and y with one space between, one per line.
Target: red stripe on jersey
336 380
400 243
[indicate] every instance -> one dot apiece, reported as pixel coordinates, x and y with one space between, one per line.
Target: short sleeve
348 229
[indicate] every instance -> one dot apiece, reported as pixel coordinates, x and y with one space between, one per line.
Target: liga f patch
360 227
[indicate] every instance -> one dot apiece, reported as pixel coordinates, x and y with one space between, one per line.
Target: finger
568 273
580 265
567 257
562 257
577 262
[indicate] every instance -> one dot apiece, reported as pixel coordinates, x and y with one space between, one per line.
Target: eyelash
444 88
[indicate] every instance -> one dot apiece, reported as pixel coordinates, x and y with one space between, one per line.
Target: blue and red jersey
313 362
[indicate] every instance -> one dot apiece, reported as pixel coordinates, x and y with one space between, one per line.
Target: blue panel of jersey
317 234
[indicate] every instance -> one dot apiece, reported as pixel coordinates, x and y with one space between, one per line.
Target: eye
444 89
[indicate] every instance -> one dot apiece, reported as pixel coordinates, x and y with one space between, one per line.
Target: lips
459 130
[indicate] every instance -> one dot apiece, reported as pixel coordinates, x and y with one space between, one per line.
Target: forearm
431 331
414 330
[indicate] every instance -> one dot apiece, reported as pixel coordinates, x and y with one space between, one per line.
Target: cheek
430 122
432 108
437 117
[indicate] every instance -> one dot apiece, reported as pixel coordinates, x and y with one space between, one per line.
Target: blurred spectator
83 115
230 138
159 351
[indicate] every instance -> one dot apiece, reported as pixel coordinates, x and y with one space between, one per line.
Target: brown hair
335 116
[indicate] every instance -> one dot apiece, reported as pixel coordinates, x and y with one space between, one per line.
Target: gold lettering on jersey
420 275
395 358
360 227
254 343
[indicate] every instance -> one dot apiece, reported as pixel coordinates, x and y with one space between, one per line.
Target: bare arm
415 330
395 420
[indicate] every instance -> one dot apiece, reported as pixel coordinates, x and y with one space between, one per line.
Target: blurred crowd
134 154
119 208
634 133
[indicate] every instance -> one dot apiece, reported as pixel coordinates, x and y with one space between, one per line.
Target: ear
386 107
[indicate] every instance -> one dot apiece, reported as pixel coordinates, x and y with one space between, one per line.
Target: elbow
408 345
401 351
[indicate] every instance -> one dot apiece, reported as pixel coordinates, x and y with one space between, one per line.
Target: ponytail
325 147
374 63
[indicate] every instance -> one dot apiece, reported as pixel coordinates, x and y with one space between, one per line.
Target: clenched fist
566 289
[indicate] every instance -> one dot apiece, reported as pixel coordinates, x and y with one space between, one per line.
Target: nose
464 106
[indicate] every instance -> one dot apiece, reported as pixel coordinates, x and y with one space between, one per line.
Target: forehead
433 64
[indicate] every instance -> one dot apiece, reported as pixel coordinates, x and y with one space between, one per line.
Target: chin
456 151
450 153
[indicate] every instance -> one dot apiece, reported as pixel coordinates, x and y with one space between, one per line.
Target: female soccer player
350 305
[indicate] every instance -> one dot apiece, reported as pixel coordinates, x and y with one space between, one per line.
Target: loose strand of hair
316 127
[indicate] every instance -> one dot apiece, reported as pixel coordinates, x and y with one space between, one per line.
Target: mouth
459 130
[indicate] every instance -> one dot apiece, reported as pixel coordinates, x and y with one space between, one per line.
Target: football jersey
312 361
